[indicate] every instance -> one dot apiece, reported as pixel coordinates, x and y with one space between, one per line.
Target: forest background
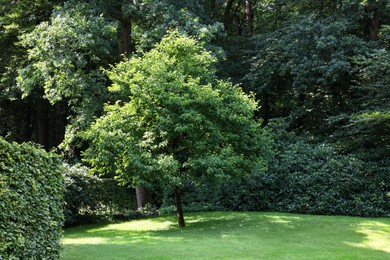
318 69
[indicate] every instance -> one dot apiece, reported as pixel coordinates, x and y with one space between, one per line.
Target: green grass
227 235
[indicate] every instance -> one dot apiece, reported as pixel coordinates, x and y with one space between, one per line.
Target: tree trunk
179 208
375 23
143 196
266 108
212 8
125 38
227 17
28 131
62 113
43 123
249 17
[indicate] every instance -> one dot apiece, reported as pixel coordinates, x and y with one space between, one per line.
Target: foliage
15 20
312 178
89 198
318 181
66 53
305 69
65 60
233 235
197 196
31 202
156 17
365 131
181 121
18 116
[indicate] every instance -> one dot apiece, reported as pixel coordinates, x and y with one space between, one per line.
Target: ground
233 235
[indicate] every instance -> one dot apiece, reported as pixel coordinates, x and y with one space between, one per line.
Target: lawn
233 235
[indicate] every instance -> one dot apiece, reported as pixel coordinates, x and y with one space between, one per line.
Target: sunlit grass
233 235
377 236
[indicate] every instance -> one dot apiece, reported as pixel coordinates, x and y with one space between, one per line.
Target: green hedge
91 199
312 179
31 202
302 177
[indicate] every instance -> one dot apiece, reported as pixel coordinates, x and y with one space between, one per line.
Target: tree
65 57
365 131
306 70
22 118
180 123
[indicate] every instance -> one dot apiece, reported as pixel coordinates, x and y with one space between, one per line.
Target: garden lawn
233 235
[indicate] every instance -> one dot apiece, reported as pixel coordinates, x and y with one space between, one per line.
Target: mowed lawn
233 235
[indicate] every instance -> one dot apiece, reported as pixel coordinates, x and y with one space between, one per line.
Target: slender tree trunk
249 17
179 208
227 17
212 8
266 108
375 23
43 123
241 23
143 196
125 37
62 122
27 133
300 120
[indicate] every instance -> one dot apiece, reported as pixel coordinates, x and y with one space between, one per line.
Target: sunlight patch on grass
281 219
140 225
84 241
377 236
131 232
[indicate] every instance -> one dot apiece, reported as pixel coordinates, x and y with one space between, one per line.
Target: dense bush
312 179
31 202
90 199
303 177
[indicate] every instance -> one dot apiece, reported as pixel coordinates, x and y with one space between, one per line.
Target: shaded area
230 235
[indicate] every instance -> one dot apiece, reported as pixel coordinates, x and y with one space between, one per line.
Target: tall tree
376 8
306 70
20 120
181 121
249 16
65 57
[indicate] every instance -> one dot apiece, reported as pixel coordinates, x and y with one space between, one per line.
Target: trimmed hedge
31 202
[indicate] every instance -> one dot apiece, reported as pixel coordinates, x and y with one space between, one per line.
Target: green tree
366 129
306 70
180 123
21 118
65 57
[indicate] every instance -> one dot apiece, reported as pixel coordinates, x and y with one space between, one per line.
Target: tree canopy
180 121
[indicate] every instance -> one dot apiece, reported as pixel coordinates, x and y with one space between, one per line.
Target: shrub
312 179
316 180
92 199
31 202
304 177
